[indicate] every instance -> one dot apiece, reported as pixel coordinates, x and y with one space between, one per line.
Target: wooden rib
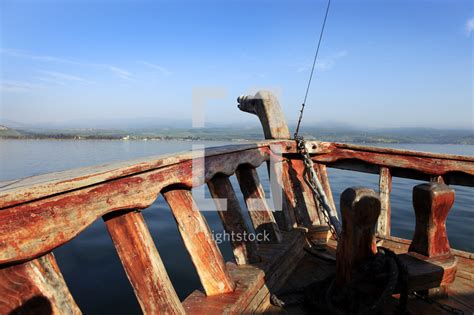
142 263
259 211
284 192
197 238
245 251
385 188
35 287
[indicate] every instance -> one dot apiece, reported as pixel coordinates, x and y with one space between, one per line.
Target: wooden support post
142 263
197 238
432 203
360 209
385 188
260 213
245 251
35 287
430 244
295 211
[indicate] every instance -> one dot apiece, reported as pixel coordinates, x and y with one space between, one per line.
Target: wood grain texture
432 203
403 163
197 238
245 251
360 208
142 263
35 287
33 228
385 188
259 211
267 108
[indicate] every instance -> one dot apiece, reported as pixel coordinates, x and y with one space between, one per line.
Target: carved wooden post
432 203
360 209
267 108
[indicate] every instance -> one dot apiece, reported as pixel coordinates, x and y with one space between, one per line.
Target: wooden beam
142 263
385 188
259 211
35 287
245 251
197 238
360 208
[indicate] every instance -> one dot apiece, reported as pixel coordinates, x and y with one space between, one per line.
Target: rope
312 70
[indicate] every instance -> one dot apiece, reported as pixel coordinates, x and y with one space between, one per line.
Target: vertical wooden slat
385 188
285 192
197 238
245 251
306 211
35 287
254 195
142 263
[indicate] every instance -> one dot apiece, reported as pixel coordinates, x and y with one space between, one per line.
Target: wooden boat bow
41 213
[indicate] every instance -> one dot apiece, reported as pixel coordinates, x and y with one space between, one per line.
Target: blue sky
382 63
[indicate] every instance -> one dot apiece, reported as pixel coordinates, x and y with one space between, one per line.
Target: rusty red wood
142 263
198 240
35 287
432 203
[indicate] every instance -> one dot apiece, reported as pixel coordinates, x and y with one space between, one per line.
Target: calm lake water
89 262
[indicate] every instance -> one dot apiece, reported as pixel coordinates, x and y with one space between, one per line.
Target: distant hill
338 133
6 132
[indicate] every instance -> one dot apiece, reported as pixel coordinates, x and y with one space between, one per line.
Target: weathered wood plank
142 263
457 169
245 251
259 211
41 186
35 287
197 238
37 227
385 188
249 280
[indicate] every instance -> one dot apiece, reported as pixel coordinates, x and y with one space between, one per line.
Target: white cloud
325 63
156 67
121 73
17 86
64 77
470 26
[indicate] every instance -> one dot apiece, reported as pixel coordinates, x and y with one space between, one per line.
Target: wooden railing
41 213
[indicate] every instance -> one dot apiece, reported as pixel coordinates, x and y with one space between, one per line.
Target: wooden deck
311 269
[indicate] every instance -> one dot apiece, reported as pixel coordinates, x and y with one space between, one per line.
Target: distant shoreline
165 139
